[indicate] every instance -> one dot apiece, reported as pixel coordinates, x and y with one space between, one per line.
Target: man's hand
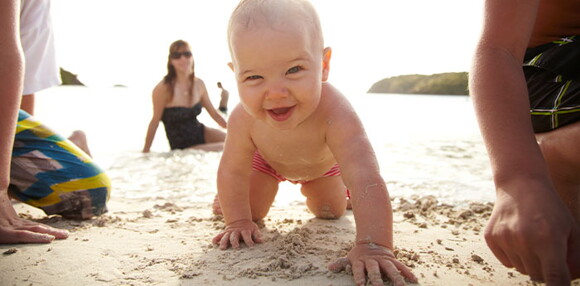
535 234
14 229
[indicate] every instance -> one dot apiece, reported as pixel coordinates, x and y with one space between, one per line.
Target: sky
126 42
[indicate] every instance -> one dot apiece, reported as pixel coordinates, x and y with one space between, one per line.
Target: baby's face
279 73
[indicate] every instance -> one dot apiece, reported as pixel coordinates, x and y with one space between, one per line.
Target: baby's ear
326 55
231 66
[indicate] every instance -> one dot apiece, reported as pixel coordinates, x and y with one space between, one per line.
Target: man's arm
11 75
13 229
530 226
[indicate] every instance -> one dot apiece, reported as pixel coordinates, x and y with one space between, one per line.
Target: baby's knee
258 214
327 211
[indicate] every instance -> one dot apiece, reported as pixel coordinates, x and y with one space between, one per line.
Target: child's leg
325 197
263 190
561 152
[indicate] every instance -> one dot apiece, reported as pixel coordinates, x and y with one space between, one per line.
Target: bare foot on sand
79 138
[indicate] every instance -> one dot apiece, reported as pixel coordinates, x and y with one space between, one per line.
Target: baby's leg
562 154
326 197
263 190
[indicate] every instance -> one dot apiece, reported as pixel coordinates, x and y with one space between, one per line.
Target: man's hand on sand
14 229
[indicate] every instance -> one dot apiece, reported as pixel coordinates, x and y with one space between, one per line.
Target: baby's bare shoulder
334 104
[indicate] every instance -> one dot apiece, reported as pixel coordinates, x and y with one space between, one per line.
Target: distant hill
69 78
454 83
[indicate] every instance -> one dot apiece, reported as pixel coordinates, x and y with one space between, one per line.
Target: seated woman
177 101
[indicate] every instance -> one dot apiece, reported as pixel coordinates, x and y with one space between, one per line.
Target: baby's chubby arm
372 252
234 187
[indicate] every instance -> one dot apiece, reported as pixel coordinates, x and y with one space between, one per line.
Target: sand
159 226
161 242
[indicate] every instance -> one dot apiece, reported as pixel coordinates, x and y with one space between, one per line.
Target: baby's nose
277 90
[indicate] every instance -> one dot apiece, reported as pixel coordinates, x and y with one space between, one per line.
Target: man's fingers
25 236
574 253
497 250
39 228
516 262
554 268
532 266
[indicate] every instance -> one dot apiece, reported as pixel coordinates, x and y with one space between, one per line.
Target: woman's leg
214 140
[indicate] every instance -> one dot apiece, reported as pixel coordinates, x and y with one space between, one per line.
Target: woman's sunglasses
177 55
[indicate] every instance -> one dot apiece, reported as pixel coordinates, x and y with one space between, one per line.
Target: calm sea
424 144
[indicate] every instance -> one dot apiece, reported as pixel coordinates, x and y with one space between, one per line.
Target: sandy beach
159 226
161 242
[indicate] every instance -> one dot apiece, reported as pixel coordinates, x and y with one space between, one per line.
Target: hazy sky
125 42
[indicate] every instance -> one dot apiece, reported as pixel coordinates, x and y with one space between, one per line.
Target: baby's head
279 59
277 15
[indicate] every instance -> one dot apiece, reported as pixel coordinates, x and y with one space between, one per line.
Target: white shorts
37 39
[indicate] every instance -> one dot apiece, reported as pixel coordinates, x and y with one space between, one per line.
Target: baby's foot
216 208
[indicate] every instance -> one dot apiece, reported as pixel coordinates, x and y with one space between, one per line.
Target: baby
292 125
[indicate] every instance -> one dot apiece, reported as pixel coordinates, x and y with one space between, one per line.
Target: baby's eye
294 70
253 77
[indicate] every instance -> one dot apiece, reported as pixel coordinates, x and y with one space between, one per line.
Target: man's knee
83 203
561 146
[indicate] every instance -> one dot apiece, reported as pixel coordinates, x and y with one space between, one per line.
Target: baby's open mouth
279 111
281 114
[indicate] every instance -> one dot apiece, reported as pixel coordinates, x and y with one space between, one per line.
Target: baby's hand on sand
373 260
245 230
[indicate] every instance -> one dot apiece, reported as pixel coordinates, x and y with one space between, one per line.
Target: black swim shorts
553 77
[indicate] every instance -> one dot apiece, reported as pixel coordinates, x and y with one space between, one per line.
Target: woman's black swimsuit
182 128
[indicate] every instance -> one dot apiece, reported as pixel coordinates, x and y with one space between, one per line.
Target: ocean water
425 145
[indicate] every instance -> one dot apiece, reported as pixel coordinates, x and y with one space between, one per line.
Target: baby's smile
281 114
